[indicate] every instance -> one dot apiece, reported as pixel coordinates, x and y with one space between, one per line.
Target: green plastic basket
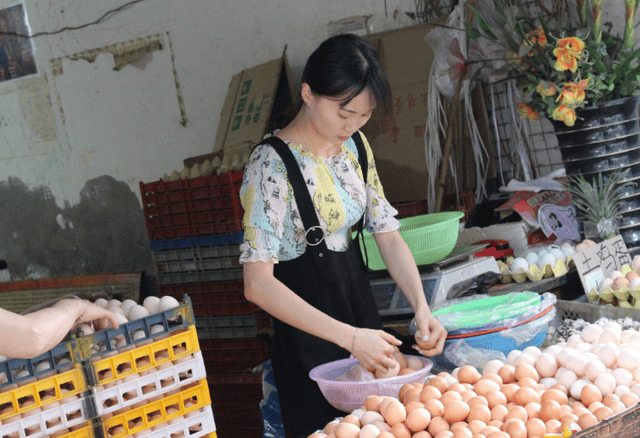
430 237
484 311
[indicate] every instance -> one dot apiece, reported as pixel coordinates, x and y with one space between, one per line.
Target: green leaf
472 32
484 26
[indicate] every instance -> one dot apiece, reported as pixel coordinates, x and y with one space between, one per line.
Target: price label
601 260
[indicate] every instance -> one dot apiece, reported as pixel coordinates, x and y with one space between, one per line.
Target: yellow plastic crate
146 356
29 396
152 414
84 432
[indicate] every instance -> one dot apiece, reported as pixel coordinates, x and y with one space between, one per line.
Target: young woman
303 190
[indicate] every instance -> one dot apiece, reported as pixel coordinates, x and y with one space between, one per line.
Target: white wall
127 123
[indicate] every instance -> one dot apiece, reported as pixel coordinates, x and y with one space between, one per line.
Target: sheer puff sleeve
265 198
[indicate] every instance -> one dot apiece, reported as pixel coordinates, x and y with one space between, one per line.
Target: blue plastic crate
210 240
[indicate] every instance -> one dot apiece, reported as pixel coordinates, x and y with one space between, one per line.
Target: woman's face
332 120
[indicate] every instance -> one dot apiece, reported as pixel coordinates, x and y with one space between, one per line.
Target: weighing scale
459 274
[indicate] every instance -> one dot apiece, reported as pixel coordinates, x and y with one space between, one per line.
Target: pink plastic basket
348 396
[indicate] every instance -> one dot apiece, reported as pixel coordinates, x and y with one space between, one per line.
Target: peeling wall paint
105 232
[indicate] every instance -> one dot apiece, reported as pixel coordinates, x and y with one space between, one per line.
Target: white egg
167 302
615 274
547 259
568 250
605 283
519 265
101 302
532 258
634 284
541 253
127 304
136 312
121 318
559 255
635 263
151 303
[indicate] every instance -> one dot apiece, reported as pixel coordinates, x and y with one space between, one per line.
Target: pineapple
598 203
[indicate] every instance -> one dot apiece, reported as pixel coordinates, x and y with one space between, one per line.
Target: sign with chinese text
598 261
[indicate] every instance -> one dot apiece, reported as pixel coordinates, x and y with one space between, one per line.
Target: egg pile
563 330
216 166
573 385
621 287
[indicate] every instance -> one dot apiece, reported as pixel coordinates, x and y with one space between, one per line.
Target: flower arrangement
561 62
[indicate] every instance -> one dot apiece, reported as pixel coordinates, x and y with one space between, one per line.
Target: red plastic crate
213 298
247 383
411 209
199 206
222 412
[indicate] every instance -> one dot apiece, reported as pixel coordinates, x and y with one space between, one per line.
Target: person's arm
28 336
370 347
402 267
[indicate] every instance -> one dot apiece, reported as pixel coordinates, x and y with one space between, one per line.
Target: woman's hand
430 336
374 349
99 316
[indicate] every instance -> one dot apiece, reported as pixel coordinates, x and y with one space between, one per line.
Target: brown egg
476 426
565 410
590 394
418 419
353 419
499 413
370 417
456 410
478 400
457 387
403 390
519 413
516 429
561 388
385 434
528 382
553 426
533 409
401 359
394 413
524 370
491 376
421 434
554 394
509 390
372 403
444 434
437 425
414 404
603 413
616 406
495 398
550 410
479 412
483 386
595 405
535 428
587 420
489 430
400 430
346 430
498 434
413 394
330 427
507 373
462 432
630 399
429 392
468 374
458 425
468 395
450 396
496 423
579 410
524 396
405 371
631 275
439 382
435 407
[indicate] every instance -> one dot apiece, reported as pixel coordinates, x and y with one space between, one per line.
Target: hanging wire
104 17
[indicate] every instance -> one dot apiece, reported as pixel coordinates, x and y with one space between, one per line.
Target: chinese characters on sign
597 262
247 112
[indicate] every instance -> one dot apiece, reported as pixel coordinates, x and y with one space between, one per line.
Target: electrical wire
104 17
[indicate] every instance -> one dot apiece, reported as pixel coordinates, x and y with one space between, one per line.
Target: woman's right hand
374 349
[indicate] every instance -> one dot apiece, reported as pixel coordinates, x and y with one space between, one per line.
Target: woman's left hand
430 336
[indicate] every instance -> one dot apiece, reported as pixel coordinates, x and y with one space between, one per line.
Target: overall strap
364 165
314 233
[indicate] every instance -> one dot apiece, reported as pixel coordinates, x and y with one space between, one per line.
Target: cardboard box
399 147
260 99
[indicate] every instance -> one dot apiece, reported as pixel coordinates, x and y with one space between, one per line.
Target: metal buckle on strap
316 240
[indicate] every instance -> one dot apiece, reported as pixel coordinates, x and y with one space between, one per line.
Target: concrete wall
126 100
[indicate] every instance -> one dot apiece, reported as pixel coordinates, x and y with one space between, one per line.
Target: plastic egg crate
137 388
136 332
49 419
195 424
132 360
39 393
552 261
162 412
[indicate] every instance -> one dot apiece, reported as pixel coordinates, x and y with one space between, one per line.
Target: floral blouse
273 229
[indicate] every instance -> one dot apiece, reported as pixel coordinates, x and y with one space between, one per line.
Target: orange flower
568 51
535 38
573 93
527 112
564 114
572 44
546 89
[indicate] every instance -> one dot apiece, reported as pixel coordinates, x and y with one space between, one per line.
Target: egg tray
51 420
156 412
604 163
213 298
592 139
201 424
151 385
534 274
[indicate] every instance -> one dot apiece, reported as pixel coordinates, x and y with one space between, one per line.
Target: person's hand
374 349
430 336
100 317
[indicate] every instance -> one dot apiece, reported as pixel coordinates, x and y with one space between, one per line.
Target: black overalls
335 283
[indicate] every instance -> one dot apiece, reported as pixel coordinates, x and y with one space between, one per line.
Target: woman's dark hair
344 66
